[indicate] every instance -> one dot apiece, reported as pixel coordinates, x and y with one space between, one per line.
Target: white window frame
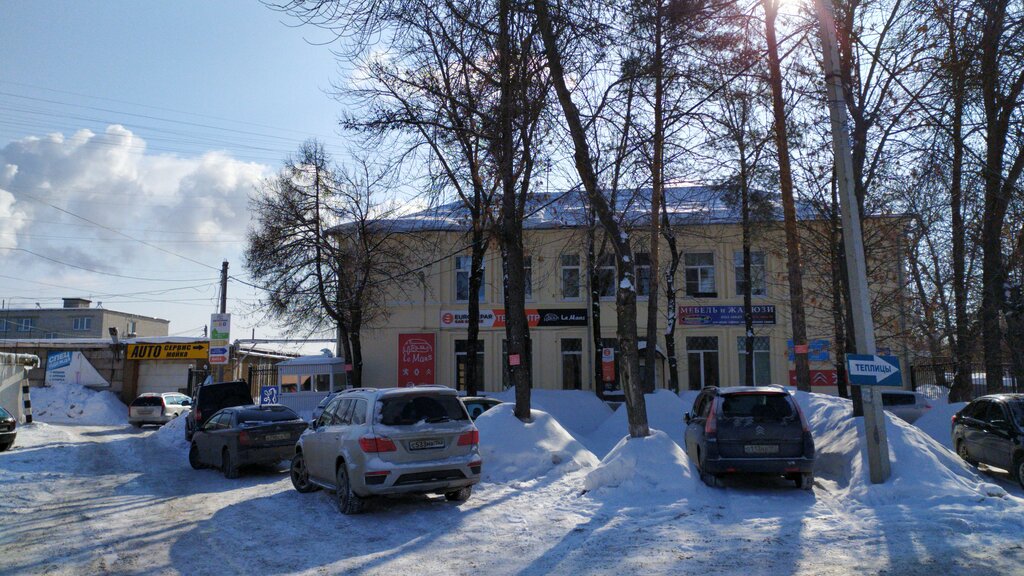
579 276
641 257
467 259
737 261
704 271
576 353
24 324
764 354
605 267
81 323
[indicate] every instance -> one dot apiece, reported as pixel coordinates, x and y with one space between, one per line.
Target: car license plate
278 436
425 444
761 448
146 412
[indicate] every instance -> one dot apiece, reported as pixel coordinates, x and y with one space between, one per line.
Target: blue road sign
268 395
874 370
220 351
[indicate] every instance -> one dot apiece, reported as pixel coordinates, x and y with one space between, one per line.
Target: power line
56 261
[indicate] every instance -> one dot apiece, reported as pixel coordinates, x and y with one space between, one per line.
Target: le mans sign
169 351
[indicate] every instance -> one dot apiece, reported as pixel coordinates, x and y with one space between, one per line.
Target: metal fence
944 374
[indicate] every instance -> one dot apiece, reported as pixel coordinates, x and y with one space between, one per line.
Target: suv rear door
423 426
759 425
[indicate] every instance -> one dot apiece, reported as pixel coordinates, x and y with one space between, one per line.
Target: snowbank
514 450
937 422
923 471
641 465
579 411
171 435
69 403
664 412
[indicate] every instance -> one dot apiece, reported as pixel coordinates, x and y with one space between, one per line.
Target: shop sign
817 350
818 378
168 351
415 359
220 338
608 364
724 315
535 317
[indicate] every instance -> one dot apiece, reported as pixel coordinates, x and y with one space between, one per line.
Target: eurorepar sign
168 351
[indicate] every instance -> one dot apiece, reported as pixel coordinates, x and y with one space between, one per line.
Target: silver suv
370 442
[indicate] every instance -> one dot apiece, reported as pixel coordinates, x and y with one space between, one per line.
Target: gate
944 374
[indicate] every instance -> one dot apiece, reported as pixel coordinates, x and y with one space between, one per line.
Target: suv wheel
348 501
460 495
805 481
1018 469
228 465
193 457
300 475
5 446
961 451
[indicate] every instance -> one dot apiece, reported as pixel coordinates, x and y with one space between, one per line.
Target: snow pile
937 422
515 450
579 411
643 465
69 403
172 434
923 471
664 412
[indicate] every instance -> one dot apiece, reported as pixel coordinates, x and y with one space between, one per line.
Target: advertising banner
818 378
72 368
220 338
724 315
535 317
168 351
415 359
817 350
608 364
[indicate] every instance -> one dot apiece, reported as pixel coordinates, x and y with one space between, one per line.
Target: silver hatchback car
370 442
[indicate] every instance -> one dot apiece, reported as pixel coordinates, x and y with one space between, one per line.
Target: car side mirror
687 417
186 402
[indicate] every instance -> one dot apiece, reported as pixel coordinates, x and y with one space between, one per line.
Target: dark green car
8 429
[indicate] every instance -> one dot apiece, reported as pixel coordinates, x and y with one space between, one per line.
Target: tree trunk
961 389
796 289
595 312
625 298
657 189
670 296
748 307
479 248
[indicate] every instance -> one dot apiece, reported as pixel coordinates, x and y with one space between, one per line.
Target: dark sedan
8 429
990 430
477 405
243 435
749 430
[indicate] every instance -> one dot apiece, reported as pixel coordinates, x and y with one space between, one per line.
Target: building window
762 360
700 275
572 363
131 327
527 279
461 355
24 324
702 361
643 274
606 276
82 323
50 335
463 268
570 276
758 286
506 374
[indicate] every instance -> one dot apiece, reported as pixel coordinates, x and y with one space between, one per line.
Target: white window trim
652 282
579 278
737 271
469 271
615 276
713 267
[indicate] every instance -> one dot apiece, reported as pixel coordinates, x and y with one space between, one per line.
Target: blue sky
154 121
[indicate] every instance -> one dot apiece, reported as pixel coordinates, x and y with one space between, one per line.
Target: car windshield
276 414
325 401
410 409
1017 408
757 406
4 414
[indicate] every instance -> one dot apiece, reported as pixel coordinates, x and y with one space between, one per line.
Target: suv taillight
471 438
374 444
163 406
711 425
198 415
244 439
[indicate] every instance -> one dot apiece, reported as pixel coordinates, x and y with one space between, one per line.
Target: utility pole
853 243
223 306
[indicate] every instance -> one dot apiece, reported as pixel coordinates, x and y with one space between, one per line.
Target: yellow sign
169 351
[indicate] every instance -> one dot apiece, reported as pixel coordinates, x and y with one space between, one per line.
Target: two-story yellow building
422 336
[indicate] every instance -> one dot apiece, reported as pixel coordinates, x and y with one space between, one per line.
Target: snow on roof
689 205
311 360
55 342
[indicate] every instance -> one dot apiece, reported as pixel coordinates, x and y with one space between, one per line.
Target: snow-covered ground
102 497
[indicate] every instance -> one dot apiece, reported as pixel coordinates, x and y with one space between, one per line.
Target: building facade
77 319
421 338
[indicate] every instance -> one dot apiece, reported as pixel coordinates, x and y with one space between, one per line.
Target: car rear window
4 414
410 409
898 399
275 414
758 406
148 401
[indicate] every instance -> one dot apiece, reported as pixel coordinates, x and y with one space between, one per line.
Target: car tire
348 501
805 481
460 495
193 457
711 480
227 464
300 475
136 424
1018 469
6 446
961 451
188 430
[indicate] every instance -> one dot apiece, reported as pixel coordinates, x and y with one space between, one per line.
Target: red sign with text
608 364
415 359
818 378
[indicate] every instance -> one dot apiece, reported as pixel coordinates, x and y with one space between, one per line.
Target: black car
8 429
749 429
477 405
990 430
243 435
209 398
